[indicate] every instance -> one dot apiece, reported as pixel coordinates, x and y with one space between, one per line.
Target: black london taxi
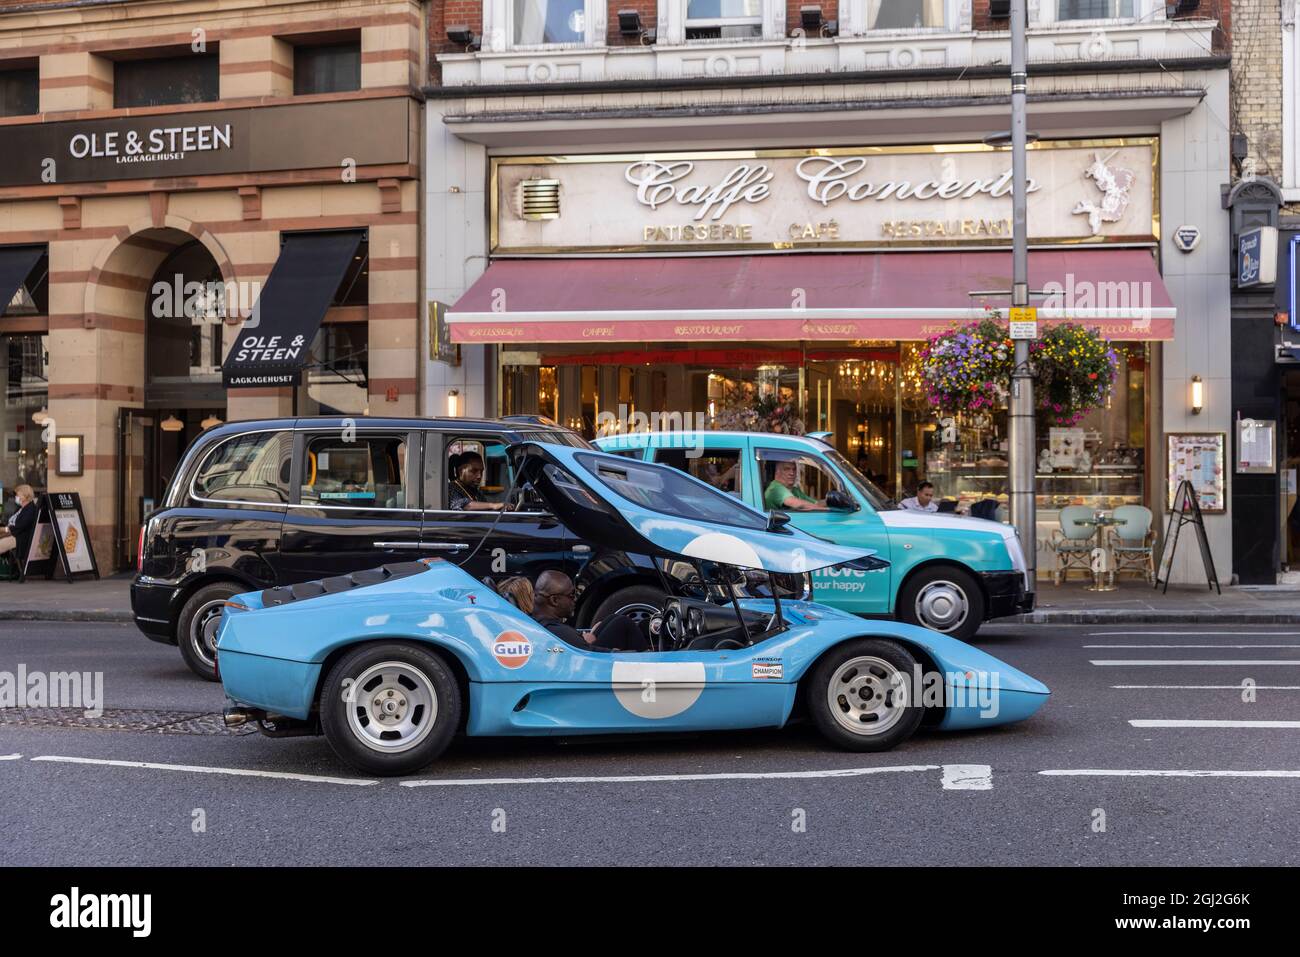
259 504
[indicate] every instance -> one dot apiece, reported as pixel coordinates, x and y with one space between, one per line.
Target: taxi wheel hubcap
867 695
942 606
391 707
203 630
638 611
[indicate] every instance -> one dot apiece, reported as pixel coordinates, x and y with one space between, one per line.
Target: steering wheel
673 624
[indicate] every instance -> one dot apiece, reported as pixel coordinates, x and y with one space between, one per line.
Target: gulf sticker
512 649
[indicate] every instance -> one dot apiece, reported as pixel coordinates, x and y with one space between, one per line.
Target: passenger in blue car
553 607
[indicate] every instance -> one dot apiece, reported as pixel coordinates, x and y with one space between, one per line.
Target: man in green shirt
783 493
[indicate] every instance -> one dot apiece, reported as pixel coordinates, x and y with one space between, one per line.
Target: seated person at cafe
783 492
18 529
553 597
922 501
465 491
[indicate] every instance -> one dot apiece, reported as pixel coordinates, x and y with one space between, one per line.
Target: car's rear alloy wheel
196 628
389 708
862 695
943 599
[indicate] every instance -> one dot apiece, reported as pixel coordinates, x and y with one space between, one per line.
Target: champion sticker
769 668
511 649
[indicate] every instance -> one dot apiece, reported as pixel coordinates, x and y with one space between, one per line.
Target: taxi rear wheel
861 695
389 708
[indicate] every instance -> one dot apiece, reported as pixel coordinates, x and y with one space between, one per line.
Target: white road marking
1193 646
201 769
967 777
962 777
1237 687
1144 773
1185 634
10 757
1212 723
1156 662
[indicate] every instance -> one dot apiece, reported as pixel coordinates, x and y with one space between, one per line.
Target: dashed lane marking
201 769
1236 687
956 777
1157 662
1193 646
1209 723
1186 634
10 757
1149 773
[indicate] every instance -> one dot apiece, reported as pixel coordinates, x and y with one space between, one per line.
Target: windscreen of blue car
670 492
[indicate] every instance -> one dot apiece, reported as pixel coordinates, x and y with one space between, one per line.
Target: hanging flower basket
967 368
1075 369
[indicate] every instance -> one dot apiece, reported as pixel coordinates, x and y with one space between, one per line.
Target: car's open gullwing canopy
656 510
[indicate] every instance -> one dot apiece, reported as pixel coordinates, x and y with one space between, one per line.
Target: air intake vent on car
286 594
539 199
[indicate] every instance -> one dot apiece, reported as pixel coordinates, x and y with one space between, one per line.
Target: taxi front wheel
389 708
943 598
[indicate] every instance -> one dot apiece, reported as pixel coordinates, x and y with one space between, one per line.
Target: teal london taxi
946 572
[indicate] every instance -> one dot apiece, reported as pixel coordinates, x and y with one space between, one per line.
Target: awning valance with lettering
272 345
831 296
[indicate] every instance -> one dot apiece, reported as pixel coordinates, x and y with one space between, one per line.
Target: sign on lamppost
1024 322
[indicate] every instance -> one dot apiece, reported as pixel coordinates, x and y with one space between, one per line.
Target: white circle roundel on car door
657 689
721 547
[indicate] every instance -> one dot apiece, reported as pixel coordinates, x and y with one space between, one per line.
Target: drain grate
120 719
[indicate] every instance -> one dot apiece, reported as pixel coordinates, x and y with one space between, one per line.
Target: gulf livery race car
390 663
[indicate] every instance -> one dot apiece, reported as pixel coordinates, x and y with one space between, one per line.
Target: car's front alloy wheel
862 695
390 708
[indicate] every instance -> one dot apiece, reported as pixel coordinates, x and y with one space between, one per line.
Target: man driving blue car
553 598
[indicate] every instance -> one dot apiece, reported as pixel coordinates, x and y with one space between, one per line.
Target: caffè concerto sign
1091 192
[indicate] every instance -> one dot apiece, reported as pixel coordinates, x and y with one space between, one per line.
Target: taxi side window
363 472
248 468
719 467
811 480
477 470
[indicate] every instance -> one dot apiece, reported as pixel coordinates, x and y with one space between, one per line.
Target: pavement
1132 602
1155 749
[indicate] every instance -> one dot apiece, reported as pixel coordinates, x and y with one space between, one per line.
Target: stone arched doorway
152 349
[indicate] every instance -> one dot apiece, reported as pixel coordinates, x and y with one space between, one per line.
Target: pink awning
822 296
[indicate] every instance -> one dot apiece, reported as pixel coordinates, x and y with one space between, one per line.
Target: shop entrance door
137 479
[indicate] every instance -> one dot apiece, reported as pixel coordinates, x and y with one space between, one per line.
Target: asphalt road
1001 809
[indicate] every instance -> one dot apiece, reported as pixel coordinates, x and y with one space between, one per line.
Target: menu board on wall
1198 457
1257 445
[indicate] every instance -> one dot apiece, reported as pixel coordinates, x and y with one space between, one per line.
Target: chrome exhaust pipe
238 717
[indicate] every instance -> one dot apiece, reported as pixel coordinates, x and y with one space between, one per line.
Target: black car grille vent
287 594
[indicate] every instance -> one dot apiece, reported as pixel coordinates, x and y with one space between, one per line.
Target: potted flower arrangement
746 409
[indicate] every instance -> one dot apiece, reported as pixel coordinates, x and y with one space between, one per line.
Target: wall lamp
1198 395
453 402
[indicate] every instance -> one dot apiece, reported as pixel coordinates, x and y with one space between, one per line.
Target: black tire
350 715
638 601
931 596
196 627
836 717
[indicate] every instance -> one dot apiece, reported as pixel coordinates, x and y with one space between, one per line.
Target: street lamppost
1021 424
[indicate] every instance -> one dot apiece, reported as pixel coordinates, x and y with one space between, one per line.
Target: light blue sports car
390 663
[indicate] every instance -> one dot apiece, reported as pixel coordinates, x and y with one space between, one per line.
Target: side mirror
777 521
840 501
